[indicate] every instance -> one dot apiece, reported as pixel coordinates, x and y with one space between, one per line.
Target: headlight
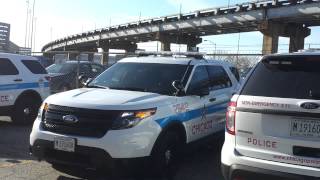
43 108
130 119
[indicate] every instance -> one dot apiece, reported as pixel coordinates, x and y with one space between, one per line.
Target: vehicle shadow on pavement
202 163
14 142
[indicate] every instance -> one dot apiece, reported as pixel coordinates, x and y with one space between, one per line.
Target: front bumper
6 110
128 143
86 157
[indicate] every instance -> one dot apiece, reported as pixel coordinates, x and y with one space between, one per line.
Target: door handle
17 80
212 99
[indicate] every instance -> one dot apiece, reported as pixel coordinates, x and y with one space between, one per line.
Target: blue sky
59 18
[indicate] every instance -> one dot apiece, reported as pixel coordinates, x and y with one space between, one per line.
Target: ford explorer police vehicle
140 108
273 125
23 86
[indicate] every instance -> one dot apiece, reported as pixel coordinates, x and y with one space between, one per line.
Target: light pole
27 18
215 47
32 21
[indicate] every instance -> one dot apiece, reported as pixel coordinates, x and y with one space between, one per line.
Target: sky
59 18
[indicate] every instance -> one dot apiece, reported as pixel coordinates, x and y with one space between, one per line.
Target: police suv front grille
90 122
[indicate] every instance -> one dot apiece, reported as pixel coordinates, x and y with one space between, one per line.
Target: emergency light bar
196 55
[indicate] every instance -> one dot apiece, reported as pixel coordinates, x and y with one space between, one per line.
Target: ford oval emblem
310 105
70 119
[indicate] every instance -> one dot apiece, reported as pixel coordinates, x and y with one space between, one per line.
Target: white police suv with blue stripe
141 107
23 86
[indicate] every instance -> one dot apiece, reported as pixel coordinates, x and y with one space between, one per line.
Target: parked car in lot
23 86
273 125
141 109
64 76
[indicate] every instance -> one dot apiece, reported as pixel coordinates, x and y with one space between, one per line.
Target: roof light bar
198 55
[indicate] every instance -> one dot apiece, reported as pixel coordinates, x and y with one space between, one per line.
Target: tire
25 110
165 155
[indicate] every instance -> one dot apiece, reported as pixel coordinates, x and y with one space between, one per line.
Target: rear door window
200 79
219 78
34 66
7 67
285 77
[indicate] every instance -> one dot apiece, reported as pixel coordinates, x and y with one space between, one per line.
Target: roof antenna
179 27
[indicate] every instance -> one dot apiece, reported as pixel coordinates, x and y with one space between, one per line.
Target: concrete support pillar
270 43
105 56
192 43
90 56
131 48
72 56
192 47
271 32
297 34
165 46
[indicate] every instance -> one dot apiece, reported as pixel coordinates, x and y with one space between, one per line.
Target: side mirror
178 86
82 79
85 84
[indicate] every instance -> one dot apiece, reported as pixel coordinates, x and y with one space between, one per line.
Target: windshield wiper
96 86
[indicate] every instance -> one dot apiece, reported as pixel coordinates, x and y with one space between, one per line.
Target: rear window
62 68
7 67
34 66
285 77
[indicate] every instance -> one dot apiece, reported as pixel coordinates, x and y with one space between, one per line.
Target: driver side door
199 125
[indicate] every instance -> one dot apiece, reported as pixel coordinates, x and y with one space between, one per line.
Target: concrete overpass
273 18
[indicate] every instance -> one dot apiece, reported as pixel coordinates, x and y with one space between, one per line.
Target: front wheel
165 155
25 110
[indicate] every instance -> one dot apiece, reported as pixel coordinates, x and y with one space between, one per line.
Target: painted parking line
7 163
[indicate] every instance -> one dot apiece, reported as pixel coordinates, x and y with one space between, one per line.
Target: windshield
61 68
147 77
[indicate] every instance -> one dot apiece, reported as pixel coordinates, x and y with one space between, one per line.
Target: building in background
6 45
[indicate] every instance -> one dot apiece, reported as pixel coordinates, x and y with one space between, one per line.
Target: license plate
64 144
305 128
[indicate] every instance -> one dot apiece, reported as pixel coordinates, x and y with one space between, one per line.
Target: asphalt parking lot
16 163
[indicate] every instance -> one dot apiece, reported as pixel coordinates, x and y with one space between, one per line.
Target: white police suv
273 123
23 86
140 108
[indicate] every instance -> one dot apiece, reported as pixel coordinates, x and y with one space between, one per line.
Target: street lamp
215 47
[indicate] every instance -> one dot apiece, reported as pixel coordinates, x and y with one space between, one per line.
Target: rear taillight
48 78
231 118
